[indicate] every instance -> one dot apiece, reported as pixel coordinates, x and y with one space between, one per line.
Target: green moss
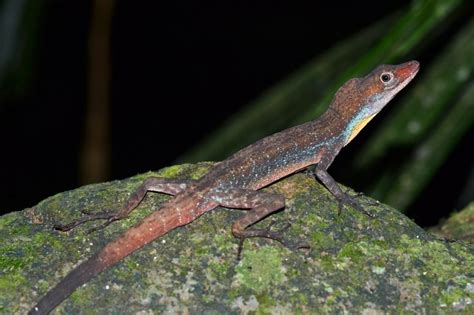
224 242
185 170
321 240
47 237
352 251
260 270
314 219
463 253
11 259
265 304
11 282
201 170
171 171
452 296
7 221
12 286
353 265
219 268
84 295
460 225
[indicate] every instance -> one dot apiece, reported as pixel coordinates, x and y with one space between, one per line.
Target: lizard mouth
407 71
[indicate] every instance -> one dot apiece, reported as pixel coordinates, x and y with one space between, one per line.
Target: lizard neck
356 124
364 113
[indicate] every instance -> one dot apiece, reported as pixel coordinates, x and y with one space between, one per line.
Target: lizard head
372 92
384 82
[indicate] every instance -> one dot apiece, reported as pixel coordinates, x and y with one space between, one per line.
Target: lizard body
235 182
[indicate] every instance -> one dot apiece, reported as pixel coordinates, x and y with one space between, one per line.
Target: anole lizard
235 182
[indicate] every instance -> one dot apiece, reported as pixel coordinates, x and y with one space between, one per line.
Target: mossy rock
355 265
460 226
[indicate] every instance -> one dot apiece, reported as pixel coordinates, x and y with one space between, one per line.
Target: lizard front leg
155 184
342 197
261 204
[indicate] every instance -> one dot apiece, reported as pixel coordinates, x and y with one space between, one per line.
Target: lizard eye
386 77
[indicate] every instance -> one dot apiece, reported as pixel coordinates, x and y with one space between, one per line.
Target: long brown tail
77 277
160 222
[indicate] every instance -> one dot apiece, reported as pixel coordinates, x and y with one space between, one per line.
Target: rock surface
459 226
355 264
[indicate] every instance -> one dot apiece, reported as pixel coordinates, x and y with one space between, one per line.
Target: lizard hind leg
261 204
155 184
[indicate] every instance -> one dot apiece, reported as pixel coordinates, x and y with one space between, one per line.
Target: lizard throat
358 125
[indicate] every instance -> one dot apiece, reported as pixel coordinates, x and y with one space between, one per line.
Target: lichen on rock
355 264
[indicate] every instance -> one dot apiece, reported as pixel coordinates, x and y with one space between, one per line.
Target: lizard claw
103 225
88 216
368 201
348 200
280 230
274 235
294 245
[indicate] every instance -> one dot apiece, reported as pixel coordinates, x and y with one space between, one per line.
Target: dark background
179 68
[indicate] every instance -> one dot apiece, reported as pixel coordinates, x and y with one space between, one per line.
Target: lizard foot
349 201
108 216
370 202
291 244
